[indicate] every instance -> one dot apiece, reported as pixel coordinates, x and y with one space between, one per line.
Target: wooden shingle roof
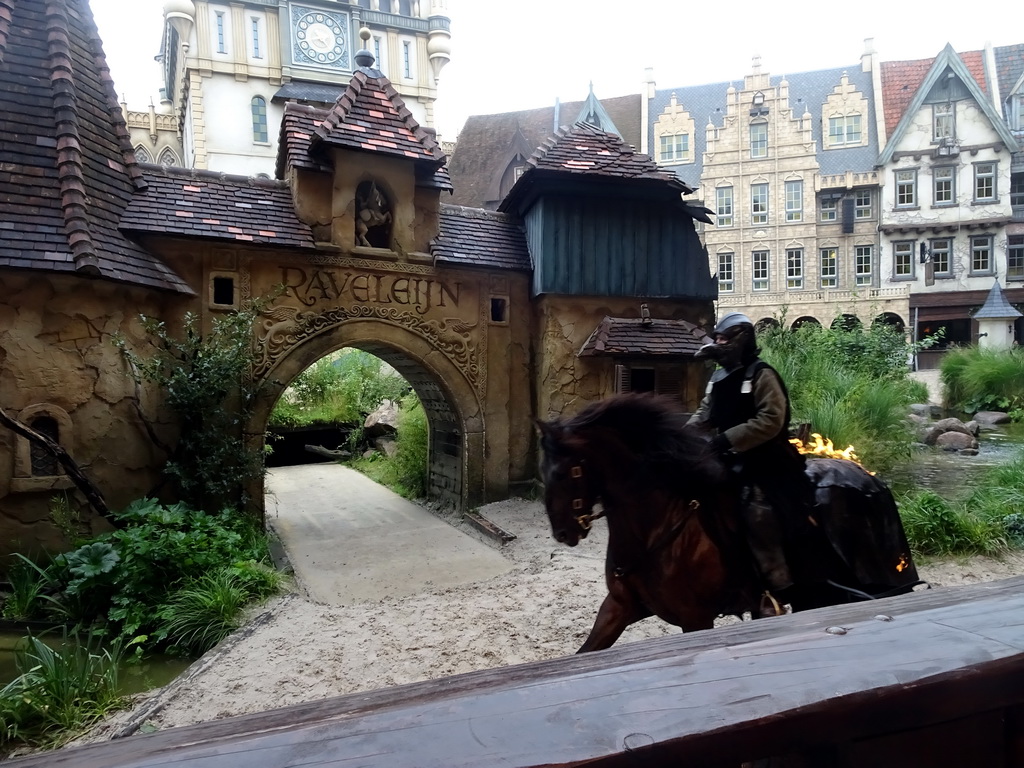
207 204
68 169
636 336
477 238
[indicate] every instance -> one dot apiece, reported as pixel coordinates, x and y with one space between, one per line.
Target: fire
822 446
902 564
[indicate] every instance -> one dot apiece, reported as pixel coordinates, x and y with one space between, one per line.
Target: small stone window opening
224 291
499 310
43 462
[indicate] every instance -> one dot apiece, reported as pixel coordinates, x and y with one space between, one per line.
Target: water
952 475
154 672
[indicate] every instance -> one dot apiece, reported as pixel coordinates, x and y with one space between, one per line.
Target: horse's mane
653 429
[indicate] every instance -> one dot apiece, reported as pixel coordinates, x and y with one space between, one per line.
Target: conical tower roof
69 169
996 306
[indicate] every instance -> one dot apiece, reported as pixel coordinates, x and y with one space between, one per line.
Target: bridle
585 519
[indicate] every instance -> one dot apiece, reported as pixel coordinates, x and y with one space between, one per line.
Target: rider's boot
764 537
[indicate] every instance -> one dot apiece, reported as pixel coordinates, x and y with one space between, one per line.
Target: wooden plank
772 686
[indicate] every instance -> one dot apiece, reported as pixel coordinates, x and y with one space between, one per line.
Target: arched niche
35 468
373 215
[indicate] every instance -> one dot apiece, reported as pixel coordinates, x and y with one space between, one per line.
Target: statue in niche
373 217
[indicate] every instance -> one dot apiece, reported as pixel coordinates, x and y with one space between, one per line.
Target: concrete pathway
351 540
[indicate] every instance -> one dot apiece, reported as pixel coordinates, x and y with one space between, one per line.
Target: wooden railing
935 678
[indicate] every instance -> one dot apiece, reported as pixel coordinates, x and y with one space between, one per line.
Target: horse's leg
616 613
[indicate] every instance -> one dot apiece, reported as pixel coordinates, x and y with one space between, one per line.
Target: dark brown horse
675 548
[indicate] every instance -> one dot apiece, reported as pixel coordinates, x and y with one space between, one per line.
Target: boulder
987 418
388 447
953 425
956 441
383 421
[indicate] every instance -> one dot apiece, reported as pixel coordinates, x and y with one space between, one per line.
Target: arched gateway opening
455 419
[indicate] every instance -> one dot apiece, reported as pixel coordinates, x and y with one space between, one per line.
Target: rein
586 519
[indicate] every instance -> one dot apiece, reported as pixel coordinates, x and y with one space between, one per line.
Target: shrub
978 379
405 473
935 526
203 612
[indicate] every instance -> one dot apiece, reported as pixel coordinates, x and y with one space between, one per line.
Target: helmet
732 320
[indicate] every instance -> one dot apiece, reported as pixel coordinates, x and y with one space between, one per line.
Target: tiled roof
996 306
68 168
207 204
585 150
301 124
901 79
488 143
1009 67
477 238
322 93
636 336
371 116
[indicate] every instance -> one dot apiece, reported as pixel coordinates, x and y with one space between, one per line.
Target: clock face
319 37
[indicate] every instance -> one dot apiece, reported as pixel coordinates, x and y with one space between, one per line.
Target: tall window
844 130
759 270
862 264
942 122
759 139
862 204
44 463
726 272
1017 190
406 60
1015 257
944 185
221 45
940 250
906 189
675 147
829 206
984 182
723 211
376 52
794 268
794 200
903 259
759 203
256 52
259 120
829 267
981 254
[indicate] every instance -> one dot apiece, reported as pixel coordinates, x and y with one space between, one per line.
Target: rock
917 419
956 441
921 410
968 452
953 425
369 453
327 453
383 421
388 447
992 417
973 427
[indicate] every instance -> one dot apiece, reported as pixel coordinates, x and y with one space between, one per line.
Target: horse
676 548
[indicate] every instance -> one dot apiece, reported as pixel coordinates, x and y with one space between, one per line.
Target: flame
822 446
902 564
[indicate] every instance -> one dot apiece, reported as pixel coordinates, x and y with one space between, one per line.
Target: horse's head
570 490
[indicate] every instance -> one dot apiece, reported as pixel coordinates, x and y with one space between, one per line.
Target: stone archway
454 414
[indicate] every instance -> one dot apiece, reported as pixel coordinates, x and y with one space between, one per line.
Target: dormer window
757 107
943 124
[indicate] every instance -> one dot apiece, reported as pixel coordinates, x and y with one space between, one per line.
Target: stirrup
768 601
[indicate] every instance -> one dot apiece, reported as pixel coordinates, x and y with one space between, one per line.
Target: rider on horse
746 405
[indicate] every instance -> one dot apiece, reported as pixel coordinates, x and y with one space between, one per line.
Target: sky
509 55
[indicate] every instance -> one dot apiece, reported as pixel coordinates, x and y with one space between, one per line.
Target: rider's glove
721 444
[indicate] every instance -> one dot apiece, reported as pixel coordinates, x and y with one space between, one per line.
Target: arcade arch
454 415
891 319
805 320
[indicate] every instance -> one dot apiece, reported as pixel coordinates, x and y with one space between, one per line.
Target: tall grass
59 692
976 379
406 472
852 386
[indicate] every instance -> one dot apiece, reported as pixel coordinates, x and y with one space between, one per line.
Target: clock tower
231 66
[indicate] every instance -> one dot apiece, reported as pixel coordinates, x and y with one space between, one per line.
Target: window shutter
848 213
670 381
622 380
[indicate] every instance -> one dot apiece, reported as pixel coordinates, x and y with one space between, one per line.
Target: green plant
205 382
976 379
203 612
59 691
29 585
935 526
406 472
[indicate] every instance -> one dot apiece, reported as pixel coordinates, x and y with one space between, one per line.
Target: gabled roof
636 336
69 168
592 113
212 205
996 306
905 73
473 237
485 146
1009 68
370 116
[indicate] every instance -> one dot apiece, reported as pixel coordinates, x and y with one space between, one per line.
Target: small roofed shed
603 220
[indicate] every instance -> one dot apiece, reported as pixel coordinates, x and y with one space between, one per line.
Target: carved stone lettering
310 287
